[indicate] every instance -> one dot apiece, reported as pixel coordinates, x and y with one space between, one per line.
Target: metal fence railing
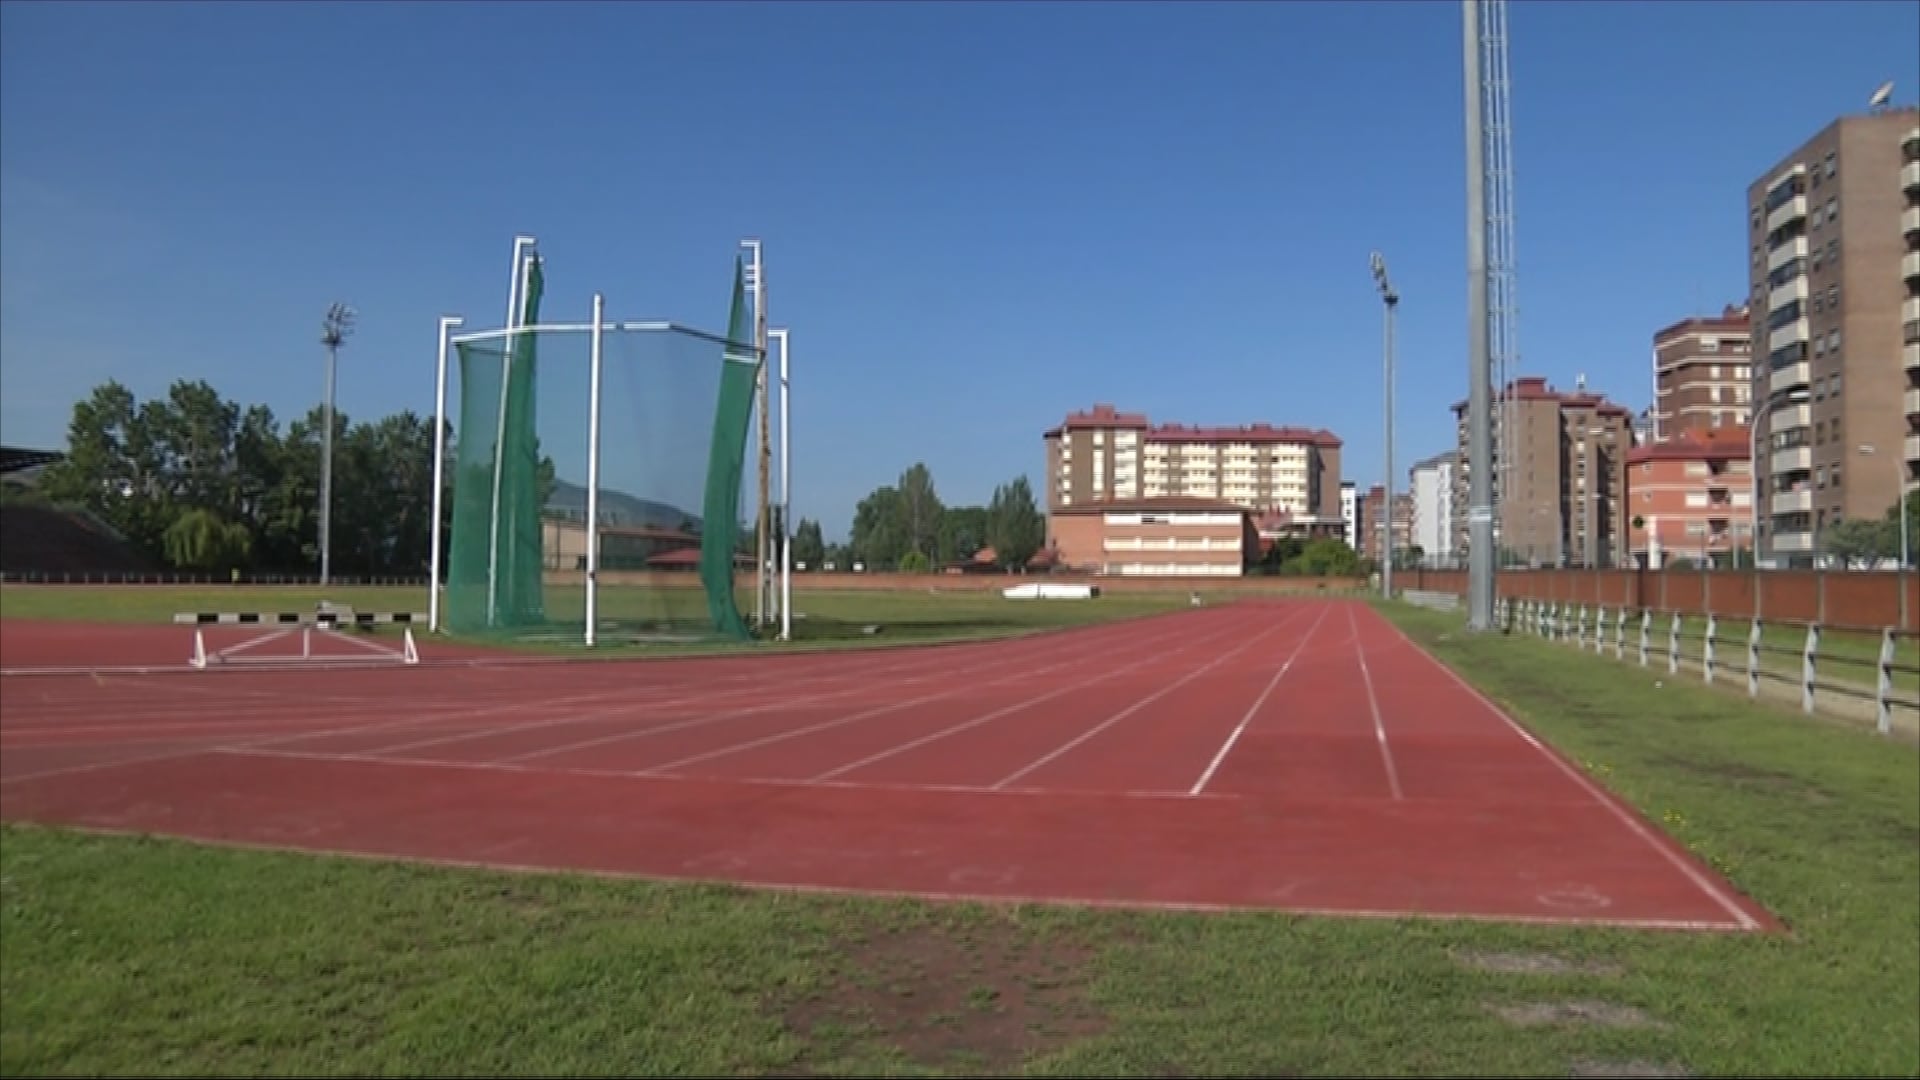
1823 668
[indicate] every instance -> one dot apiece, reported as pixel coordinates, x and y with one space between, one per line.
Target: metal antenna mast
1503 317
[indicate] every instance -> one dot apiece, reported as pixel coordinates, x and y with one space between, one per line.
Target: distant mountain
617 508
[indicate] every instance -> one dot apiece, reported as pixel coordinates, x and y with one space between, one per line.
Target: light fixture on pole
1899 502
1392 300
334 332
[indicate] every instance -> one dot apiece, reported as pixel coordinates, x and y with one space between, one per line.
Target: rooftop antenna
1878 102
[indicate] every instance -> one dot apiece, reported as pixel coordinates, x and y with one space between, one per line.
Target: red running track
1302 756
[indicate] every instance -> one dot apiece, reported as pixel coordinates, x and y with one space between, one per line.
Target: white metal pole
326 475
447 323
786 496
593 469
514 285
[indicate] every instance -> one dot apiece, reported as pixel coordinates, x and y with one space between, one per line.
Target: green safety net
675 408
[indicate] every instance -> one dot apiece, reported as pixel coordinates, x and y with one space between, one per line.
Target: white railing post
1620 634
1646 627
1706 653
1883 695
1808 652
1673 645
1753 660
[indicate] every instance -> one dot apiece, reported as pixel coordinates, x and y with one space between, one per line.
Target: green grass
824 618
124 954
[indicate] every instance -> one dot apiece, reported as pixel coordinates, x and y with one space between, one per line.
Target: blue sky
978 217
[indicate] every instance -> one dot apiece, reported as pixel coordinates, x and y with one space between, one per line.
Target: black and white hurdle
328 619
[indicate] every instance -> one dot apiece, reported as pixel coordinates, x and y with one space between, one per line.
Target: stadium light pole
786 495
447 325
1480 554
1391 300
334 331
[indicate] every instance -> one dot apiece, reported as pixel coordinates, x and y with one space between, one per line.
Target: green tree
200 540
914 563
809 548
877 539
920 511
1015 528
963 532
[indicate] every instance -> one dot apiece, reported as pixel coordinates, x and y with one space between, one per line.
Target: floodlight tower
756 283
1503 318
1479 435
1392 300
334 331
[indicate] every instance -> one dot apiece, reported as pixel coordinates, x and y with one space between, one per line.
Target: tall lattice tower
1503 321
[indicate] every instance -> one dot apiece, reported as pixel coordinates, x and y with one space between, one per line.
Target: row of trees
905 526
203 484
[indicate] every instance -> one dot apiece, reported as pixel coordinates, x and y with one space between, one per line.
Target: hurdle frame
305 624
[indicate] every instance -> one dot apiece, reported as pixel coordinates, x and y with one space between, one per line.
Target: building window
1830 165
1833 296
1833 208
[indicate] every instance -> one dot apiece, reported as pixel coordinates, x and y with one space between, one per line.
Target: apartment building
1430 489
1103 455
1350 514
1566 487
1374 515
1691 496
1162 536
1702 376
1834 241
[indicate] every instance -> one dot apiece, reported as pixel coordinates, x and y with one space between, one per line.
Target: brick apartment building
1161 536
1834 239
1691 496
1103 455
1372 515
1701 374
1567 484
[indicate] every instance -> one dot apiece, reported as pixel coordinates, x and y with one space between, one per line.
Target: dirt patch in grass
1748 776
1590 1013
987 996
1625 1068
1511 963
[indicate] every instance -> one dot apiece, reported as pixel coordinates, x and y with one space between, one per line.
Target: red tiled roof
1718 444
1171 503
1106 416
1734 318
1535 388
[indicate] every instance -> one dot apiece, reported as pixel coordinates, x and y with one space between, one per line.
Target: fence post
1706 654
1673 645
1753 660
1807 654
1580 628
1620 634
1646 625
1600 628
1883 696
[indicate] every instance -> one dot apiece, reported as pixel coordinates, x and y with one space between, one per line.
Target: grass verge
121 954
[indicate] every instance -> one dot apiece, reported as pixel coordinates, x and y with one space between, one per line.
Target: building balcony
1782 254
1791 541
1791 459
1788 377
1911 399
1910 356
1788 417
1910 176
1913 448
1910 221
1793 332
1910 266
1791 210
1792 502
1787 293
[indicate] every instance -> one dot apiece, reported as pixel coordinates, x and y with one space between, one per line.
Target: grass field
838 619
134 955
